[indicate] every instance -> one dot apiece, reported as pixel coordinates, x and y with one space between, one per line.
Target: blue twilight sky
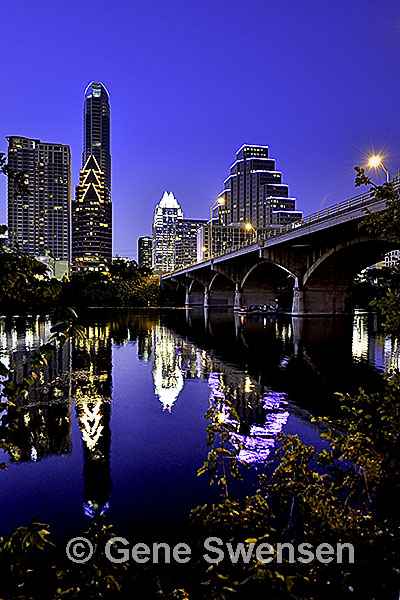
192 80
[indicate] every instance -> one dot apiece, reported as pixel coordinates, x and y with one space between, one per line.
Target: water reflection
381 350
92 366
39 423
276 372
167 371
254 440
77 373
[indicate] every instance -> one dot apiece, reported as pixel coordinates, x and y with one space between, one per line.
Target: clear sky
190 81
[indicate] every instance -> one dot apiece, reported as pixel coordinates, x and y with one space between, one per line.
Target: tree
20 179
385 224
24 282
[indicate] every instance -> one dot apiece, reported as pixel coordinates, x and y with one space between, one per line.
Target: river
116 425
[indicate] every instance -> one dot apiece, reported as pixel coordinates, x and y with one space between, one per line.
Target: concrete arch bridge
322 254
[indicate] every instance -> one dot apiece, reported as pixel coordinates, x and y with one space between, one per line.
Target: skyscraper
254 192
92 208
91 221
39 220
145 246
166 215
186 241
96 129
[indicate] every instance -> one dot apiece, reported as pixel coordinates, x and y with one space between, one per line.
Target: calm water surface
116 425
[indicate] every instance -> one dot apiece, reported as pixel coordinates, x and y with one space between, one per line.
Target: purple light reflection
257 445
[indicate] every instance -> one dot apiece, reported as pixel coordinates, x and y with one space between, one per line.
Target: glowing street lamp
375 161
249 227
218 202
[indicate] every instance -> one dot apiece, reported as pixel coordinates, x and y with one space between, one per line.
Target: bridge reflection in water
277 373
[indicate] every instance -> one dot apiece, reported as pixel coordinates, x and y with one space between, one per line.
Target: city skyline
321 96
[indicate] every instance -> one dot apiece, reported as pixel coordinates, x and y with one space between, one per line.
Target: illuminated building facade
96 129
166 216
186 241
224 238
39 221
145 248
91 220
392 259
254 192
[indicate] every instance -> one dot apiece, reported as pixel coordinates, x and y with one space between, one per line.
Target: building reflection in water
262 416
379 349
167 372
40 422
261 412
79 372
91 389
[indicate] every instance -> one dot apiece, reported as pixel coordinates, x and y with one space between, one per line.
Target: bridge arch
363 251
325 287
263 282
194 293
221 291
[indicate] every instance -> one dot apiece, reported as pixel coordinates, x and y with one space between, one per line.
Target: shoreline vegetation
348 494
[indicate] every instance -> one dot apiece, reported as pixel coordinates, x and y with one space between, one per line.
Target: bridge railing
325 213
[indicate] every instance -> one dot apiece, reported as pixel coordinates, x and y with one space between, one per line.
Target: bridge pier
206 302
321 301
193 294
238 296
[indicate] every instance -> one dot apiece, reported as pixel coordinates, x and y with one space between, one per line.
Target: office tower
254 192
39 220
166 215
96 129
186 241
145 247
92 208
91 220
224 239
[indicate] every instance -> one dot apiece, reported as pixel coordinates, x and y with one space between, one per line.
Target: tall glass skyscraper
92 208
96 129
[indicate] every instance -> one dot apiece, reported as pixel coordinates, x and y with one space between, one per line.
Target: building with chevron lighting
91 220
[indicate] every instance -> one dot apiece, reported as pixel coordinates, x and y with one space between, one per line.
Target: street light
375 161
249 227
203 251
218 202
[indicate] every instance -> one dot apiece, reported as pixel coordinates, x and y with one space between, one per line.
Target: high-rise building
166 215
91 220
254 192
145 247
96 129
186 241
39 220
225 239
